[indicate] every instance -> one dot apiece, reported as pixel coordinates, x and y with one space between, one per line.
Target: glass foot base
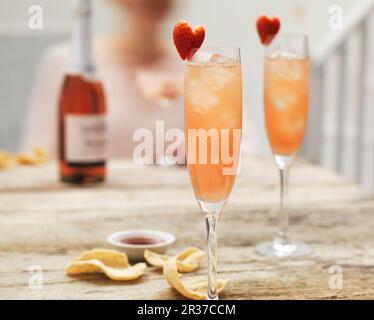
274 249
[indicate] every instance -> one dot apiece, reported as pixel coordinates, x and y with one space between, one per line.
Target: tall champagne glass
213 123
286 107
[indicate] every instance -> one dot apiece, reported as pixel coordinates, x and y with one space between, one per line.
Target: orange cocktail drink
213 122
286 102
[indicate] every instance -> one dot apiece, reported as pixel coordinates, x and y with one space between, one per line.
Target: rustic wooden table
45 223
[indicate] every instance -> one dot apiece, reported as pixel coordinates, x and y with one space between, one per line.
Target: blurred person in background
142 78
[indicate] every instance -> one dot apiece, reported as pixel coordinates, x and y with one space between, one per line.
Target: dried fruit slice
37 157
111 258
155 259
6 160
191 290
112 263
187 261
114 273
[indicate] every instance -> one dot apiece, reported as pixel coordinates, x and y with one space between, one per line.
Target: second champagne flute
286 108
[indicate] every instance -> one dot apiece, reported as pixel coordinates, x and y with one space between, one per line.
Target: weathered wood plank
43 222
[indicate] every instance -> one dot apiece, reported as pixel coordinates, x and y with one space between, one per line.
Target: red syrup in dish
141 240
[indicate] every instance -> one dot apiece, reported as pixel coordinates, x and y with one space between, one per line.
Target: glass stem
211 224
283 236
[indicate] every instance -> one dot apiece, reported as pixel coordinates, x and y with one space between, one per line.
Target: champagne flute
286 79
162 84
213 123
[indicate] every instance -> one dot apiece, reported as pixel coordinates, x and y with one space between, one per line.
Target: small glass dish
134 242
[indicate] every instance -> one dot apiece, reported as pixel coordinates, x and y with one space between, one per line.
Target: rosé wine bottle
82 110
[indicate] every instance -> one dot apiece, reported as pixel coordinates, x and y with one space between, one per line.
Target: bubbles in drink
200 95
209 84
217 77
283 100
278 102
298 122
292 125
286 101
286 67
228 120
219 59
213 90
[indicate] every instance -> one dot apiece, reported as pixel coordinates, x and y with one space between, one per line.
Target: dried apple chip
191 290
6 160
37 157
114 273
111 258
187 261
155 259
113 264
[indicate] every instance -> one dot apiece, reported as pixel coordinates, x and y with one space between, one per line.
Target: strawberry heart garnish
267 28
185 38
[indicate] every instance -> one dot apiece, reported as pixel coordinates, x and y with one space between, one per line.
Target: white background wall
228 23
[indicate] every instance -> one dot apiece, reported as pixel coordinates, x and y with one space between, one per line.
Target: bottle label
85 138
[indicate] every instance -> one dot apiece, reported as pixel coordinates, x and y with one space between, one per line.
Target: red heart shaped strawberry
185 38
267 28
